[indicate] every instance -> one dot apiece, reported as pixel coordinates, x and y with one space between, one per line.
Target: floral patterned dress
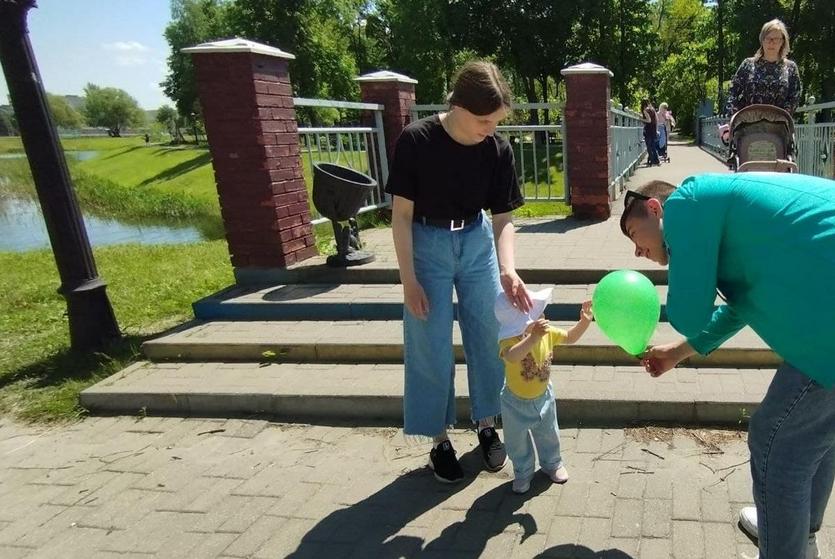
764 82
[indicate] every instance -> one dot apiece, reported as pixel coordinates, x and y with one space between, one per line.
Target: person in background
768 77
665 118
650 118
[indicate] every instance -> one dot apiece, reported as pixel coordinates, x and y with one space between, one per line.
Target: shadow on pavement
561 225
365 529
571 551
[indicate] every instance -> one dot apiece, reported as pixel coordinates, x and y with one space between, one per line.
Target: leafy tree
318 32
112 108
677 24
171 119
63 114
8 126
812 26
425 52
369 38
684 80
192 22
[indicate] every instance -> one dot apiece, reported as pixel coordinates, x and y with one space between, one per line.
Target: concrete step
330 301
388 273
372 393
382 342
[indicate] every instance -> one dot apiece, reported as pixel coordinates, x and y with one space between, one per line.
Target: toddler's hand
586 312
538 328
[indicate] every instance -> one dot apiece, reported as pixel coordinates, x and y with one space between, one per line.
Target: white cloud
127 53
125 46
130 60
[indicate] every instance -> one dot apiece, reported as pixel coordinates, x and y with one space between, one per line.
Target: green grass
149 180
542 175
543 209
151 288
13 144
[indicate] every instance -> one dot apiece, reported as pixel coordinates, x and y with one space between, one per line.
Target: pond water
81 155
22 228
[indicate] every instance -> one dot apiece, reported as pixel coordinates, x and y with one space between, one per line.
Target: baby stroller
762 139
661 143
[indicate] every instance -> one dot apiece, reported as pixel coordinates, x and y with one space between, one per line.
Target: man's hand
515 290
657 360
415 299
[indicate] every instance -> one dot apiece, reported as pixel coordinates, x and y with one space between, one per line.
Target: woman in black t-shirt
447 169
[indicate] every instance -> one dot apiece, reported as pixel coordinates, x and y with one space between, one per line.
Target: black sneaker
443 461
492 449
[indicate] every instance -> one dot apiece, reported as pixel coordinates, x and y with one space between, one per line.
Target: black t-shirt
448 180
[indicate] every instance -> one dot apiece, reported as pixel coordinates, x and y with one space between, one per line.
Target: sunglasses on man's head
628 202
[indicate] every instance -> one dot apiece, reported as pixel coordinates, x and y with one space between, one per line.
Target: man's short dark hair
657 189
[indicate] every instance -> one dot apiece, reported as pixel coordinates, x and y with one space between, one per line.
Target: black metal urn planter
338 194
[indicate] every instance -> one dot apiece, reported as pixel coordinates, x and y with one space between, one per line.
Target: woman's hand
515 290
657 360
415 299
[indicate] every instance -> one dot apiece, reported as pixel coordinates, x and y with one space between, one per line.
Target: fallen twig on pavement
653 453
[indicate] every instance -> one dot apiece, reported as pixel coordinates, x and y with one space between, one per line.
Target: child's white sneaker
560 475
521 485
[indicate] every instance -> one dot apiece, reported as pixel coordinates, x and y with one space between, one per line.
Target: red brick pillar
397 93
251 126
587 120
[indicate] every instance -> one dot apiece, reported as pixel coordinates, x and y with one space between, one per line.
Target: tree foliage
192 22
8 126
173 122
679 51
112 108
63 115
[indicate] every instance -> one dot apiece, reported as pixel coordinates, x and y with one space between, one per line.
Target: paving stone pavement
125 487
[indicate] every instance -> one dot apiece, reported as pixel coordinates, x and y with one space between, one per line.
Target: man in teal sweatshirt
766 243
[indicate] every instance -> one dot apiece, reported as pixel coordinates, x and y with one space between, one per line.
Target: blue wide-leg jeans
466 261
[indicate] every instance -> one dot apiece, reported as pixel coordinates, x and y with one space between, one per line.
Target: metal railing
539 151
815 143
709 139
627 147
362 148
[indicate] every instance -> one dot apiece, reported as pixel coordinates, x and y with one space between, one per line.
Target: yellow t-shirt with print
529 377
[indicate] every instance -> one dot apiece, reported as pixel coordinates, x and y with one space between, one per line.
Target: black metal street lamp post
91 318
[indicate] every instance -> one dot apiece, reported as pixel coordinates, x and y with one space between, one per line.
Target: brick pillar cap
385 76
586 68
239 45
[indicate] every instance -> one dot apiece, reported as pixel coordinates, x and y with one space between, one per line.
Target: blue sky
111 43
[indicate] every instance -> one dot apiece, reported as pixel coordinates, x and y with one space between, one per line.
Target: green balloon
626 308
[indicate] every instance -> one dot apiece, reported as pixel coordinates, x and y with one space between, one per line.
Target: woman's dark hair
480 88
644 104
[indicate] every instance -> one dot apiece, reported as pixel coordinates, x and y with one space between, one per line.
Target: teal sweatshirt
767 242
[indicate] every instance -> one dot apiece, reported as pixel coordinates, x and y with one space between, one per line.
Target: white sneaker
560 475
748 523
521 485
